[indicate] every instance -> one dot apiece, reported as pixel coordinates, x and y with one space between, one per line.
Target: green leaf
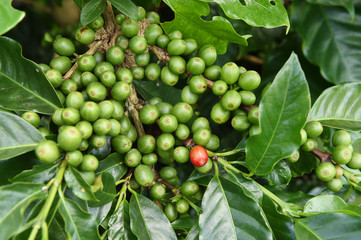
339 107
150 89
281 174
147 221
91 11
332 42
56 228
127 7
148 5
193 233
16 136
14 199
257 13
304 165
78 185
79 3
23 85
251 189
119 223
114 165
330 203
184 223
39 174
9 17
228 213
100 213
328 226
282 226
347 4
78 223
283 112
218 32
298 197
107 191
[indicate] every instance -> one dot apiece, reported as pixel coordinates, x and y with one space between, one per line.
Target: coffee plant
181 119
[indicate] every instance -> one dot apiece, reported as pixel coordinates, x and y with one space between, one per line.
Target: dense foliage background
309 50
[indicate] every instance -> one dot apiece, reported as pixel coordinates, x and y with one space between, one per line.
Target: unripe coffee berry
32 118
341 137
115 55
355 162
163 41
293 157
170 212
341 154
87 63
54 77
208 53
96 91
89 164
85 35
200 123
64 47
153 17
196 66
138 44
165 141
213 72
177 65
106 109
219 88
146 144
309 145
240 123
168 123
152 32
248 98
120 91
253 115
47 151
121 144
198 84
249 80
103 67
230 73
168 77
152 71
191 46
334 185
97 23
90 111
213 143
325 171
303 136
164 108
74 158
219 114
167 173
69 139
85 128
198 156
183 112
189 96
182 132
189 188
202 137
148 114
129 27
176 47
70 116
122 42
157 191
102 126
133 158
143 174
74 100
313 129
181 154
231 100
182 206
97 141
254 130
61 63
150 159
206 168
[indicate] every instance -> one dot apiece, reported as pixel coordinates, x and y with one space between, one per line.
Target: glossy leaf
282 226
106 192
228 213
79 3
193 233
339 107
283 113
91 11
78 185
329 226
113 164
16 136
147 221
39 174
56 228
14 199
78 223
281 174
184 223
331 203
125 6
100 213
298 197
147 5
333 41
347 4
150 89
119 223
9 17
23 86
257 13
305 164
218 32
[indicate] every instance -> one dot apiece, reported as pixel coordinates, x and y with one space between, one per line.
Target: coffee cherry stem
133 102
323 156
56 185
195 207
122 194
174 190
160 53
351 178
224 154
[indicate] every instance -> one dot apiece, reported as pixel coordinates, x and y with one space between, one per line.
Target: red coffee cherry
199 156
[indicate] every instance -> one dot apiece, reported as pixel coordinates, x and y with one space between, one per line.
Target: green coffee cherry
213 143
122 42
303 136
119 18
164 108
152 71
293 157
341 154
191 46
231 100
121 144
69 86
118 110
309 145
146 144
198 84
89 164
325 171
138 44
168 123
56 118
183 112
44 131
196 66
99 57
69 139
165 157
341 137
106 109
181 154
157 191
140 13
85 128
176 47
124 75
32 118
219 88
254 130
148 114
87 78
133 184
155 100
152 32
208 53
248 98
143 174
87 63
182 132
182 206
102 126
230 73
61 63
170 212
74 100
47 151
167 173
313 129
165 141
125 124
44 67
97 23
129 27
206 168
132 134
115 55
115 128
174 182
202 136
153 17
334 185
339 171
213 72
163 41
189 96
97 141
249 80
138 72
85 35
120 91
240 123
150 159
132 158
103 67
142 59
253 115
90 111
355 162
219 114
199 123
74 158
83 145
168 77
64 47
189 188
54 77
175 35
177 65
70 116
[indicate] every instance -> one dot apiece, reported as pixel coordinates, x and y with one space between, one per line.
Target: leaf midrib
309 229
